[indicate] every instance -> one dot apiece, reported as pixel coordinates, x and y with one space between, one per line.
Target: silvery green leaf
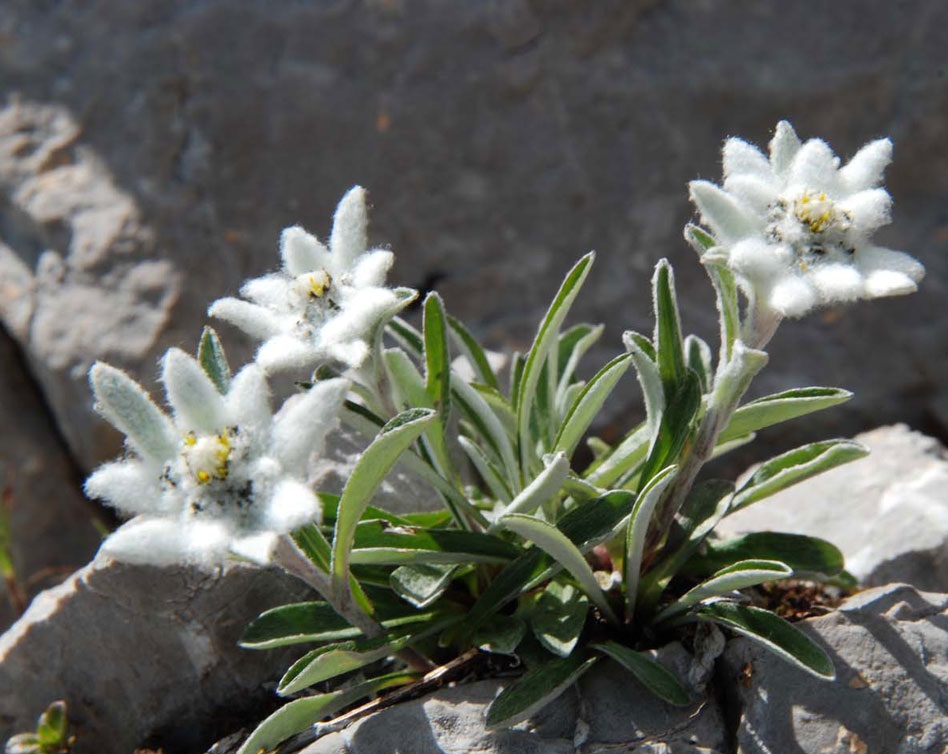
407 337
546 484
131 411
699 239
563 551
731 578
781 407
574 344
809 557
377 542
586 406
698 358
489 473
422 583
437 356
535 690
559 616
300 714
501 636
537 356
728 305
641 517
773 633
484 418
213 360
669 349
649 671
407 382
474 353
649 378
628 455
794 466
393 440
676 425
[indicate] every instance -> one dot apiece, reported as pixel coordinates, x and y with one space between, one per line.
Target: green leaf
781 407
304 622
728 305
574 343
408 384
698 359
407 336
422 583
314 545
670 354
487 423
437 356
501 636
649 378
652 674
587 404
645 504
298 715
735 576
490 474
52 729
559 616
546 484
809 557
774 634
699 238
622 460
393 439
585 526
535 690
377 542
334 660
563 551
213 360
546 336
474 353
794 466
675 426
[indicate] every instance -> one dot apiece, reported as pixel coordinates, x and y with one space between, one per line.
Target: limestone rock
887 512
890 648
607 712
142 653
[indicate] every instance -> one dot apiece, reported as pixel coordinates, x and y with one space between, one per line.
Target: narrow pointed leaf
547 483
652 674
728 305
535 690
375 542
298 715
649 378
489 426
774 634
698 359
586 406
537 356
474 352
407 336
574 343
736 576
645 504
371 468
670 355
333 660
407 381
437 356
675 427
781 407
563 551
213 360
795 466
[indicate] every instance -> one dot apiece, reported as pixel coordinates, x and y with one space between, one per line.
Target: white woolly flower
325 303
796 227
222 474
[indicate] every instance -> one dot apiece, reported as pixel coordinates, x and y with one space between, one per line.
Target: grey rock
51 531
608 711
887 512
499 142
142 653
890 648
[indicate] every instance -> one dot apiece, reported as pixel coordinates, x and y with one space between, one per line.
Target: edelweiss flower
796 227
223 474
325 303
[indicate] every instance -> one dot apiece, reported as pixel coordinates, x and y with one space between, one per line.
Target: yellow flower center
208 456
317 283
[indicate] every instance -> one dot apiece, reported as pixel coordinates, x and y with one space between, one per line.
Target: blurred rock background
150 153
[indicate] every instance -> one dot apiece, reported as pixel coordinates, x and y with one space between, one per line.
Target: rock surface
887 512
142 653
608 711
499 140
890 648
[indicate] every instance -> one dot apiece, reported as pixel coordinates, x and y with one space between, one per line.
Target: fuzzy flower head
221 474
796 227
325 304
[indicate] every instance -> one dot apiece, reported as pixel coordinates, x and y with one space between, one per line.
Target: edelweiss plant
532 555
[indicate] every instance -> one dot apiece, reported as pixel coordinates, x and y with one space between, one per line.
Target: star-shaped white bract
796 227
222 474
325 303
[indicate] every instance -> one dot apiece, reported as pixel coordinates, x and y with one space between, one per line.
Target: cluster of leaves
531 556
51 735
